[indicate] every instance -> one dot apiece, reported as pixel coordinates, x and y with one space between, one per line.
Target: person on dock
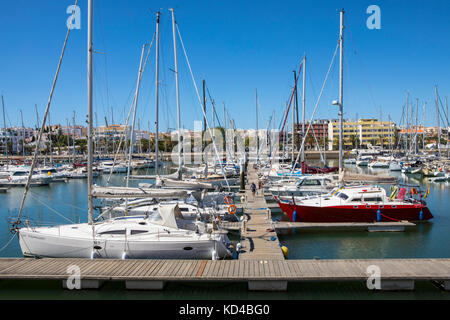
253 187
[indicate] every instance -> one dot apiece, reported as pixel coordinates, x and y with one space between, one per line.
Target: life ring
413 191
232 209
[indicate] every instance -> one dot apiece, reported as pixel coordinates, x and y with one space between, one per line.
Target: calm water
60 201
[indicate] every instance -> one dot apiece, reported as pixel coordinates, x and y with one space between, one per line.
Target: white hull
165 247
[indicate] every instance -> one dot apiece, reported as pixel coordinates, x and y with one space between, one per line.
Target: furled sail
122 192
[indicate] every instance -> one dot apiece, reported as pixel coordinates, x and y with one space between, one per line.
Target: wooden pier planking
256 240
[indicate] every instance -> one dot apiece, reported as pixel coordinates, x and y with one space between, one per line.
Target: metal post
157 96
341 90
177 89
304 106
90 109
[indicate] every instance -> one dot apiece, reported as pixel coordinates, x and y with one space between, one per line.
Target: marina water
61 202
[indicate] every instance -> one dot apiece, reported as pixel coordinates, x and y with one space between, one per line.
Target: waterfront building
362 133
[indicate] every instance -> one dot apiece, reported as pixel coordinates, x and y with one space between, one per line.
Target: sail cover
122 192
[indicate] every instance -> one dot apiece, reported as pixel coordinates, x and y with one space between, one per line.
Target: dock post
397 285
86 284
267 285
145 285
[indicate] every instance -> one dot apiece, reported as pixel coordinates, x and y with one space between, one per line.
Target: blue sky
237 46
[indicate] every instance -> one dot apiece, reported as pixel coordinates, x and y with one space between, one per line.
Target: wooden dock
258 237
283 226
259 274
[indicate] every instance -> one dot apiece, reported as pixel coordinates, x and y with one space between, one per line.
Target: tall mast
23 135
304 105
157 96
6 134
257 129
407 122
68 139
90 110
341 90
51 142
293 118
136 98
423 129
73 138
415 129
438 122
177 89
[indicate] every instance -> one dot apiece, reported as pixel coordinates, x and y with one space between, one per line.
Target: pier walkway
258 237
259 274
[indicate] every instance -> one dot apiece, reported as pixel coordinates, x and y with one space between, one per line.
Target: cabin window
113 232
134 232
343 196
310 183
184 209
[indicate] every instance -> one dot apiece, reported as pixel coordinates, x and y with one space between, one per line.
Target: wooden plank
151 272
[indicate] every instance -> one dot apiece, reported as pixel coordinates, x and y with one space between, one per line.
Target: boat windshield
309 182
342 195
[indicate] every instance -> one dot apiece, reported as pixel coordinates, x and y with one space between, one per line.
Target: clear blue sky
236 46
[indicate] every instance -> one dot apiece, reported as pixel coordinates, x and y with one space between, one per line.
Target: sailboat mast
5 133
341 90
177 88
423 129
90 111
293 117
257 129
304 105
23 135
157 96
438 122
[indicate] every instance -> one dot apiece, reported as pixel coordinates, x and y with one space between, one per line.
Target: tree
82 145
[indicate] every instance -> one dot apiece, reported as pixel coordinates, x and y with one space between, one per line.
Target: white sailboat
156 235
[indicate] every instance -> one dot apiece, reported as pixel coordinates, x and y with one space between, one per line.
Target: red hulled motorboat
358 204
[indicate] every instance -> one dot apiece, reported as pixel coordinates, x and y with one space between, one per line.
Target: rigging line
33 165
8 243
126 125
289 106
443 110
50 208
315 108
60 203
362 68
201 107
214 104
106 64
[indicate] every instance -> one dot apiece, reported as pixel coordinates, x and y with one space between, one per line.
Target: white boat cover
122 192
169 214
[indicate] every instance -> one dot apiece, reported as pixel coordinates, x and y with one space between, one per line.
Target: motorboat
305 186
358 204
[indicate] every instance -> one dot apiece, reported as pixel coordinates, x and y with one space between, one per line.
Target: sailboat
157 234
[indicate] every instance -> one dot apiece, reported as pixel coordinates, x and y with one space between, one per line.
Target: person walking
253 187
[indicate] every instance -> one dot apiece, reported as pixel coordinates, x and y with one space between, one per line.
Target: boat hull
35 244
359 213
